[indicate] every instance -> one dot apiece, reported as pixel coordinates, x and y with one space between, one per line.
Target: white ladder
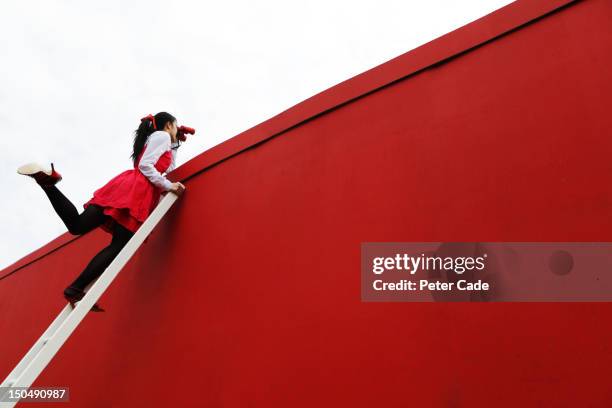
41 353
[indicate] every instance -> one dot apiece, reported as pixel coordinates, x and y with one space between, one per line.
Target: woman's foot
96 308
42 175
73 295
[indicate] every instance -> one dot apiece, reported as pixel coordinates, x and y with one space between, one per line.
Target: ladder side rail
68 325
37 346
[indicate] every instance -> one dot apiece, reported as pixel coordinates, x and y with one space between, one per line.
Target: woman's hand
177 188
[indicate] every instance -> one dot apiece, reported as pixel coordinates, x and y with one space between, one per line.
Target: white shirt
157 144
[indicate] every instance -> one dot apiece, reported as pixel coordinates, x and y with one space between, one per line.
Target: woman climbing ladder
121 205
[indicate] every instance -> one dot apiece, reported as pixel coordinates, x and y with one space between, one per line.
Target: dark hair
145 129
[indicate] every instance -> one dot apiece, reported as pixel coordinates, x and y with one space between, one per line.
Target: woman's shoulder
160 136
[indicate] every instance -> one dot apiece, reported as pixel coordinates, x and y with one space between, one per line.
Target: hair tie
149 116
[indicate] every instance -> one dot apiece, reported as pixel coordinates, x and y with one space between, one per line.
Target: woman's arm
174 146
157 144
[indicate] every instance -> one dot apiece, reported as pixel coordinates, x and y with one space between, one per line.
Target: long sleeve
174 146
157 144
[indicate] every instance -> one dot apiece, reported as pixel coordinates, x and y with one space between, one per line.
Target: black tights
79 224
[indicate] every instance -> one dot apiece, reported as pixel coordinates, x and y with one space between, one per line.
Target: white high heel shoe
42 175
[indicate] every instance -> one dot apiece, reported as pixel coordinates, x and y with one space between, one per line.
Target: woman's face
172 129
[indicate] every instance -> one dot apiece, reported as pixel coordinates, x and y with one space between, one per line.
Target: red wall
248 293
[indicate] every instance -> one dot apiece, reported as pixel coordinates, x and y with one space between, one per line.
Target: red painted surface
248 293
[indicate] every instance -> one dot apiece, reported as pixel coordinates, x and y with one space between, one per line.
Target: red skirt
127 199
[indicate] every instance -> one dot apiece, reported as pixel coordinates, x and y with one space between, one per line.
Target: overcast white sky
76 77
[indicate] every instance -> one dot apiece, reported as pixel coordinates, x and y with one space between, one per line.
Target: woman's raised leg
77 224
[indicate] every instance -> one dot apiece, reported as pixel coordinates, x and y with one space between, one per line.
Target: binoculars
182 131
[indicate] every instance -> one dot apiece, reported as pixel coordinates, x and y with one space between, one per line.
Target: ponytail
148 125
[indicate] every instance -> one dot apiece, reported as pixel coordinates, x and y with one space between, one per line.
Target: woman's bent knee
76 230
